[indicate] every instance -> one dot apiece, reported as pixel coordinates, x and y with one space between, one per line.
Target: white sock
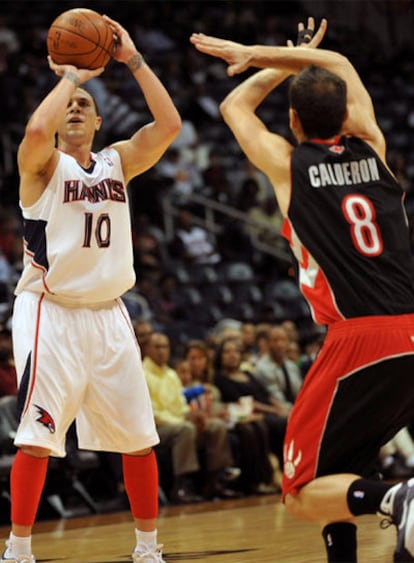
145 539
410 461
20 546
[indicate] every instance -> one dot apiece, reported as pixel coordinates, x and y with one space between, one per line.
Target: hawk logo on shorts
291 462
46 419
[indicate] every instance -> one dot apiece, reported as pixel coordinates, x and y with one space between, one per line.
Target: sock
364 496
141 484
27 479
145 539
340 542
20 546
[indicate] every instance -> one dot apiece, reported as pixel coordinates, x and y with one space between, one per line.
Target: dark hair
218 356
319 98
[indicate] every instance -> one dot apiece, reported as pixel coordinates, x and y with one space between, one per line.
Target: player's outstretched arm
257 142
361 117
256 88
240 57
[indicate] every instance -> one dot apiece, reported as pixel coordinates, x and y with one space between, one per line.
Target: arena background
376 35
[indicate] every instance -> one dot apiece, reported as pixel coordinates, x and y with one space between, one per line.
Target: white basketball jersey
78 243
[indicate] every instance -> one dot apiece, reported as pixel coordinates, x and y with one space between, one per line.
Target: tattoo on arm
135 62
73 77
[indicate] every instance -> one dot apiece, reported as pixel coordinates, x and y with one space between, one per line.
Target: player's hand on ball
124 46
83 74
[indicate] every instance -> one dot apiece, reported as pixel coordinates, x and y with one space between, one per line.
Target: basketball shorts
80 363
356 396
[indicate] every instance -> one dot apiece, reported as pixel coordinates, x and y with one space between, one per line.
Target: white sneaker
12 559
152 555
398 505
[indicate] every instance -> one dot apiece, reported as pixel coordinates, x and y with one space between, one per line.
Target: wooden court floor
252 530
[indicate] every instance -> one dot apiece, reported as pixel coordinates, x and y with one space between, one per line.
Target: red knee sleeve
141 484
27 479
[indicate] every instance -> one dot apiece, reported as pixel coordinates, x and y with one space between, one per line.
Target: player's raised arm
149 143
257 142
360 113
36 150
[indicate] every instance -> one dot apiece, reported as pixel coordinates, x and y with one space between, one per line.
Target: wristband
73 77
135 62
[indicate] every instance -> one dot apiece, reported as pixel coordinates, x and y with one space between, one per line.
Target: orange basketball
80 37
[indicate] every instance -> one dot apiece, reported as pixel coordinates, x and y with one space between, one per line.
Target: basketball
80 37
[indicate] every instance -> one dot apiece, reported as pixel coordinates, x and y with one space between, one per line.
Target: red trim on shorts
350 346
34 356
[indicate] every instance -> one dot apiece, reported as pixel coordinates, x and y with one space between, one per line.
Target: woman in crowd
260 432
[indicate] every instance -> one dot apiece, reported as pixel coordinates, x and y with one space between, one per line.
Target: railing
211 222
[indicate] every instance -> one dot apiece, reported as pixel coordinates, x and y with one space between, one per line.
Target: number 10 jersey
77 236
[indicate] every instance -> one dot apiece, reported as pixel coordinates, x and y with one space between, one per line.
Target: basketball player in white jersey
75 349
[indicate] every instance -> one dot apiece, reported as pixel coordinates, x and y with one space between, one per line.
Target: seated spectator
311 346
184 430
250 352
8 376
261 339
199 359
226 328
201 395
180 175
193 243
201 375
294 353
147 251
137 304
167 305
291 329
261 432
215 179
267 220
247 196
280 376
143 330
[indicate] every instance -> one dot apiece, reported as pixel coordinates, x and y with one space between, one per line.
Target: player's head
318 98
82 118
95 103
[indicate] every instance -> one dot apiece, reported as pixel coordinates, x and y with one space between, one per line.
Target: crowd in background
185 291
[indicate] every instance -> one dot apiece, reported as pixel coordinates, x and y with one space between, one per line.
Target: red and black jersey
348 230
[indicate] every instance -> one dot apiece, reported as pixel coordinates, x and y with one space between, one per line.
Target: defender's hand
307 36
236 55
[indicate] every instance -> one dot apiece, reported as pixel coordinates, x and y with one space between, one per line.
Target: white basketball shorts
80 363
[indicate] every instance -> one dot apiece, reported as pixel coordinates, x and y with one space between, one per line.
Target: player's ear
346 115
293 119
98 123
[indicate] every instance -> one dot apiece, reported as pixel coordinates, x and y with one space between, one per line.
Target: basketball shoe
398 505
13 559
150 555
